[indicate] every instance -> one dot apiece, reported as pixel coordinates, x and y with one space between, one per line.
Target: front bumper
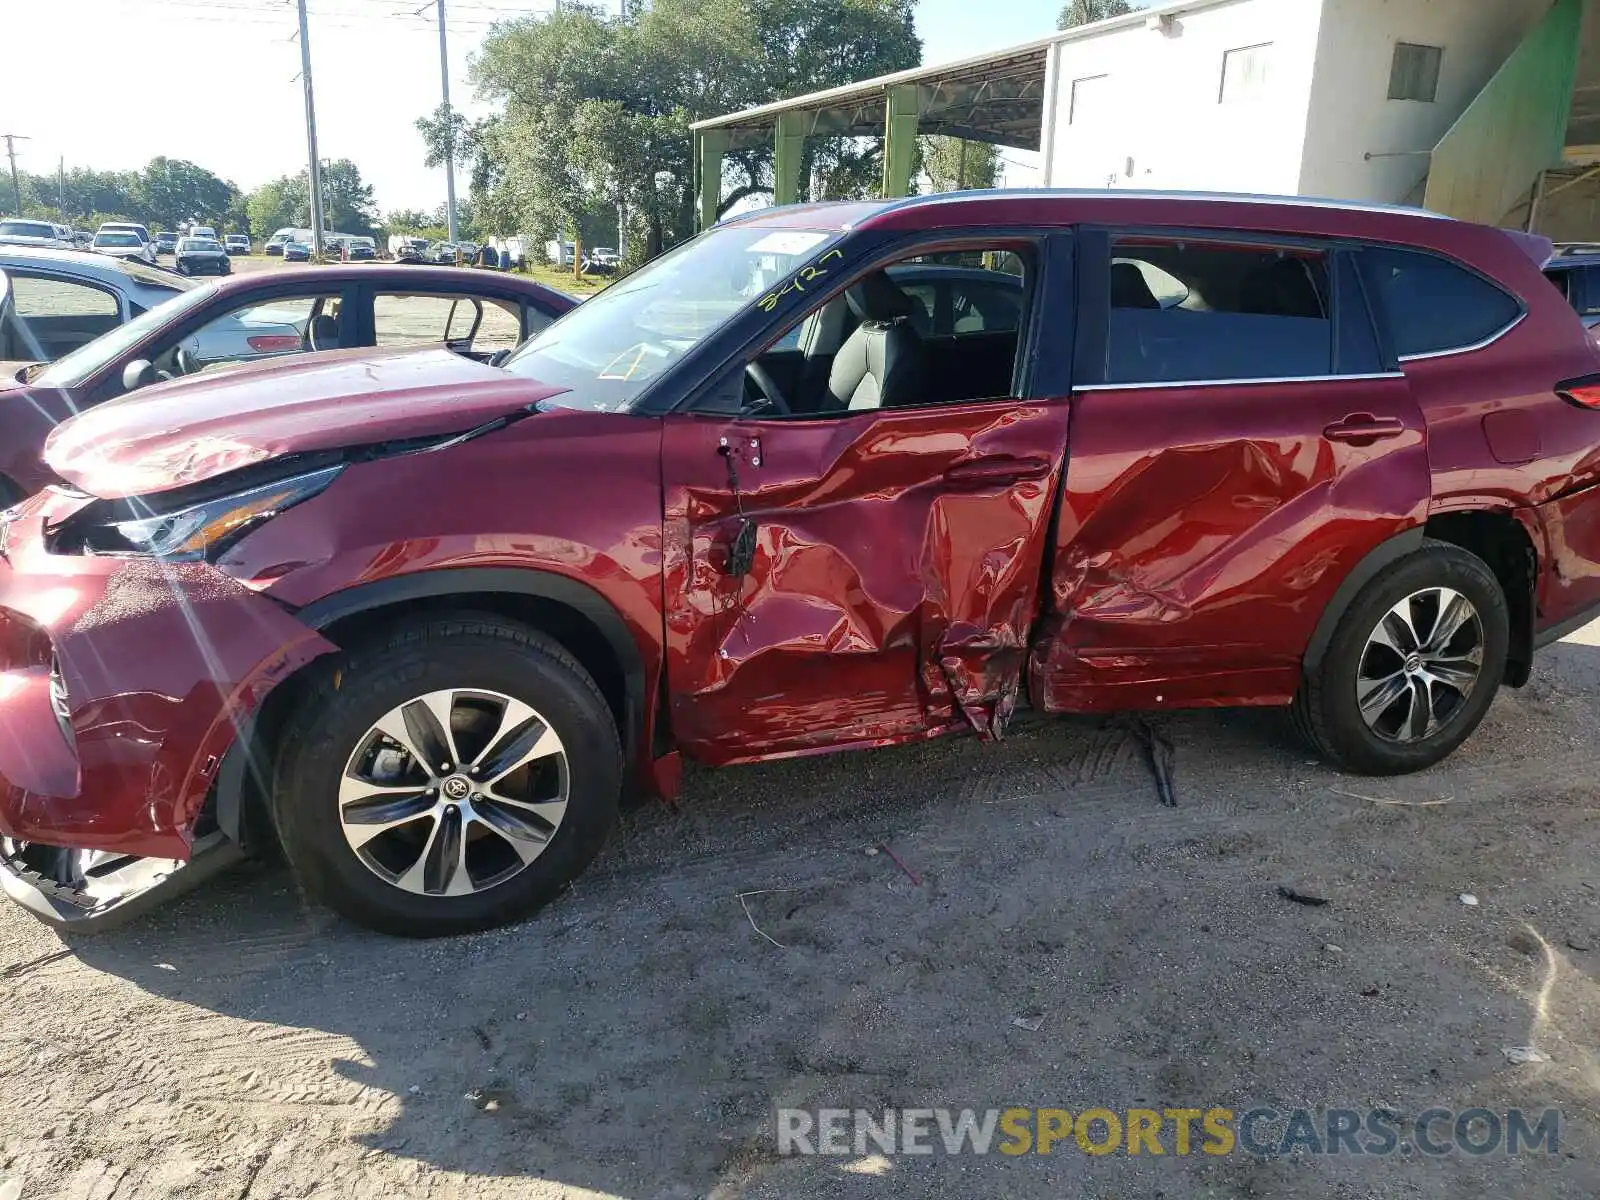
207 266
160 663
98 891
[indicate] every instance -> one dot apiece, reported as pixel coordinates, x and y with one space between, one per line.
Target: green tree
174 190
953 164
406 220
278 204
595 108
1086 12
347 201
90 197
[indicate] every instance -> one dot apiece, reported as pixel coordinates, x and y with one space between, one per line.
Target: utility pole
315 177
61 186
11 152
450 133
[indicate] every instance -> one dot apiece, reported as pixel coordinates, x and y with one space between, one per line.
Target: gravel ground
635 1039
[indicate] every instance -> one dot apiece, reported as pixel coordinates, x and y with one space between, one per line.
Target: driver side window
925 330
264 329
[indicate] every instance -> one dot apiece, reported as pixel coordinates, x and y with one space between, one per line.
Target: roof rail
1577 248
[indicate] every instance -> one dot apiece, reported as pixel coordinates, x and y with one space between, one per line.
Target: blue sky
960 28
213 81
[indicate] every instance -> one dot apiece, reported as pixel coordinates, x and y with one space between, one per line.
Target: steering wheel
768 387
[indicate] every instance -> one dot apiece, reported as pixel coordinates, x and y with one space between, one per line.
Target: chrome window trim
1484 344
1199 383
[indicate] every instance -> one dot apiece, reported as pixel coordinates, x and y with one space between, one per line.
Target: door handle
1362 429
997 470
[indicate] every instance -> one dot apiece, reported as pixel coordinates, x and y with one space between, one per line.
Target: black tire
464 651
1326 711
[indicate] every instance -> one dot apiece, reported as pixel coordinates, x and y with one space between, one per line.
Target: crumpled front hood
178 433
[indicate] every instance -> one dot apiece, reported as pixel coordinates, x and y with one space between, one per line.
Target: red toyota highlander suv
826 477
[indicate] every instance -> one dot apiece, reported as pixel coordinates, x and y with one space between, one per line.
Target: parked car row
40 234
827 477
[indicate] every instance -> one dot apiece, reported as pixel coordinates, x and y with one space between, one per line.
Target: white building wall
1350 112
1151 110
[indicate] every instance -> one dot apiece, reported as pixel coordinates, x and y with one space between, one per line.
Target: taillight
1583 391
1584 397
267 342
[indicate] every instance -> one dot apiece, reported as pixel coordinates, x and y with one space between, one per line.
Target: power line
246 10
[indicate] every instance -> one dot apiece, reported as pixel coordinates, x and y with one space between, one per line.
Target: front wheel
455 776
1412 667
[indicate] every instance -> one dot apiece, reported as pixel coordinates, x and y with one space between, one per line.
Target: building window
1090 96
1414 75
1244 73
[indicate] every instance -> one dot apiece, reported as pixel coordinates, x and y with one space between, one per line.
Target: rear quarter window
1429 305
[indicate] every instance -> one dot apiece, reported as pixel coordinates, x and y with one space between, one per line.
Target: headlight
200 531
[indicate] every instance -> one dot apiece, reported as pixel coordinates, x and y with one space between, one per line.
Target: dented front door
886 579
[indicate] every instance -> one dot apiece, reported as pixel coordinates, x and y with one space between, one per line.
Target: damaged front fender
156 665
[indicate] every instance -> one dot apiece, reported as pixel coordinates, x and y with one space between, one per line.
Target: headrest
1130 289
875 297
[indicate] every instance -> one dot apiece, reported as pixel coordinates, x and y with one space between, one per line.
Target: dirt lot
635 1039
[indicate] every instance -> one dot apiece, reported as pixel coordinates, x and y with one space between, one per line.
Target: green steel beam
902 108
710 145
789 141
1515 128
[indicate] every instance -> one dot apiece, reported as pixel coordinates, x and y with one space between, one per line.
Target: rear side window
1586 290
1429 305
1581 286
1207 311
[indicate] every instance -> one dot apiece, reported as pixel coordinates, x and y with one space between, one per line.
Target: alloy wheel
454 792
1420 665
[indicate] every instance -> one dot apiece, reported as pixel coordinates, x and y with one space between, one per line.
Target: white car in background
124 243
63 302
45 235
125 227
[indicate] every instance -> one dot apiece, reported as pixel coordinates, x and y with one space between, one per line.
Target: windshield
84 363
610 348
26 229
117 239
198 244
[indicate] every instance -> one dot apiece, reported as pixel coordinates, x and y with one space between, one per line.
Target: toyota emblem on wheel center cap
457 787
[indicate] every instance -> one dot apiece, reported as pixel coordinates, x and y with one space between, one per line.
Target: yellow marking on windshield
797 282
638 353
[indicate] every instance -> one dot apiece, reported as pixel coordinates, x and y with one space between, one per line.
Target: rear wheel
1412 667
454 777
